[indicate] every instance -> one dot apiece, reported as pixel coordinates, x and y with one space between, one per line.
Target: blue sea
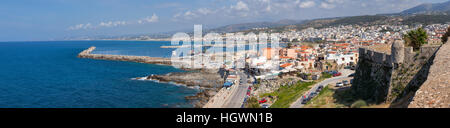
49 75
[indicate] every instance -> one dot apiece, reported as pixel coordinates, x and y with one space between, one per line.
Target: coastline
207 81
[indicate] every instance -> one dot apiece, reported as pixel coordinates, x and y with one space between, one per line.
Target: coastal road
344 76
237 97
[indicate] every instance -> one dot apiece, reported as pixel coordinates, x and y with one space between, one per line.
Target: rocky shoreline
209 83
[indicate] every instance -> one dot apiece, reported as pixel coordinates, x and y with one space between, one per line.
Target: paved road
345 73
237 97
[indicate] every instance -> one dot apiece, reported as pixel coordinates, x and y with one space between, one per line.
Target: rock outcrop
209 82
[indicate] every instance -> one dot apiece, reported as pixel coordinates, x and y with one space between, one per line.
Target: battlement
398 55
375 56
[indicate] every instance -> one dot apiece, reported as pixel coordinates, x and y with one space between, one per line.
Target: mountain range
427 13
429 8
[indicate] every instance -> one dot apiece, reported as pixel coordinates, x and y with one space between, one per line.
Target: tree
289 45
446 36
416 38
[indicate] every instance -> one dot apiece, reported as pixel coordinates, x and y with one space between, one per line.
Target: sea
49 75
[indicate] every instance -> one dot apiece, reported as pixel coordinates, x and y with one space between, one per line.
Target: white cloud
240 6
112 24
205 11
154 18
327 5
81 26
307 4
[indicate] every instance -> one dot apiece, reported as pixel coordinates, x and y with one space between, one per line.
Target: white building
342 59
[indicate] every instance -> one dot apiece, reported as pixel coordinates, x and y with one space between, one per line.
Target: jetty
139 59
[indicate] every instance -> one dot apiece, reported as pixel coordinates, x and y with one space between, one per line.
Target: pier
139 59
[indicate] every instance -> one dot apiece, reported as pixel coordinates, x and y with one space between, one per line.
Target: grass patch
252 102
359 104
331 98
326 75
288 94
324 100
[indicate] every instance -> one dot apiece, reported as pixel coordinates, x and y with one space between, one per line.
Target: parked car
351 81
312 94
304 101
262 101
330 72
339 84
351 75
319 88
345 82
337 74
265 106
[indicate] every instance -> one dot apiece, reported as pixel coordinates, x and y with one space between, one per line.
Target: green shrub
416 38
252 102
359 104
445 36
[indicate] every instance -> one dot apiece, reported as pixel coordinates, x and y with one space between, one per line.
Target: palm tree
416 38
446 35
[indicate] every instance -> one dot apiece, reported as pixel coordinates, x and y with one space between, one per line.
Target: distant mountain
249 26
429 8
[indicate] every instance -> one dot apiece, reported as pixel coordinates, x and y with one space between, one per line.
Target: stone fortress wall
388 76
404 54
435 91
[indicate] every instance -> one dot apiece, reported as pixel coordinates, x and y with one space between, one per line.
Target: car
345 82
265 106
312 94
262 101
304 101
319 88
337 74
351 75
333 72
353 68
339 84
351 81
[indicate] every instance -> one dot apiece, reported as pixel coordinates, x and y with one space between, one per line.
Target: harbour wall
139 59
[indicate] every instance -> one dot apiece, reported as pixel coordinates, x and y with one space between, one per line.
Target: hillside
428 7
249 26
426 14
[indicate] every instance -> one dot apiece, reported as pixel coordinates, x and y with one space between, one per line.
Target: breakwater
139 59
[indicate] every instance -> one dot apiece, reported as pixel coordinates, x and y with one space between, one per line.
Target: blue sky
29 20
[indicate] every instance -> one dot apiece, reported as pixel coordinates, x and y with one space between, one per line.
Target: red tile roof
286 65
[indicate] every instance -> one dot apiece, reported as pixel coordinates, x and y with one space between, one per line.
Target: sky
39 20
